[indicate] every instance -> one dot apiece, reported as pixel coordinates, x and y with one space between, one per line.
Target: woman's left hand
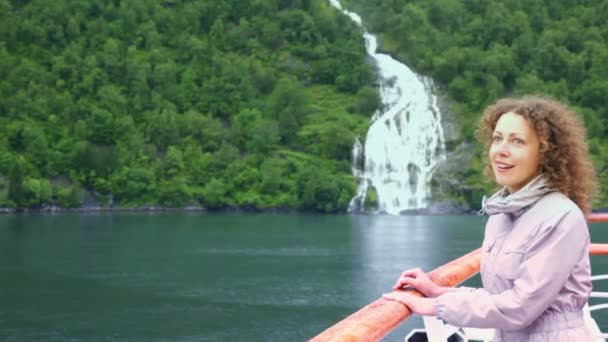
419 305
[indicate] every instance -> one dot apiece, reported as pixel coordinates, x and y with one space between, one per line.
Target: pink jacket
536 274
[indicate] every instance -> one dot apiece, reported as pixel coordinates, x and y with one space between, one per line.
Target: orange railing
380 317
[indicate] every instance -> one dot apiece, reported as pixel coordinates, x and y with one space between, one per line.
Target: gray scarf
518 202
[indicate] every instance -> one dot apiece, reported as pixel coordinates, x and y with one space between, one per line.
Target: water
213 277
405 140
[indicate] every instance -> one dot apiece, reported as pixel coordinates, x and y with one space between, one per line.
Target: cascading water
405 141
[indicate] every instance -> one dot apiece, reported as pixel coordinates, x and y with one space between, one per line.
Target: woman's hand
417 279
418 305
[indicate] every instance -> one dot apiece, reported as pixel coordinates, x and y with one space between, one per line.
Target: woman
535 266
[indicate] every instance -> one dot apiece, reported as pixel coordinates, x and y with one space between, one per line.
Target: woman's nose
503 148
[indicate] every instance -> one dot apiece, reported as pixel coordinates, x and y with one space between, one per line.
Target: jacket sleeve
549 262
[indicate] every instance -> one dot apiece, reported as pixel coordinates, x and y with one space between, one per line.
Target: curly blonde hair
564 153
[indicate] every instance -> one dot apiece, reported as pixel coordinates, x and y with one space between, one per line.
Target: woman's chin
502 181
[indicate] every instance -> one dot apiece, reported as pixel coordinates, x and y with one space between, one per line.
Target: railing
603 295
380 317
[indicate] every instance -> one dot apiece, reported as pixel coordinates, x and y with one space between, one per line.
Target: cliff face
449 193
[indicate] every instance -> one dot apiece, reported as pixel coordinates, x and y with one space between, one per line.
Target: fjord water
213 277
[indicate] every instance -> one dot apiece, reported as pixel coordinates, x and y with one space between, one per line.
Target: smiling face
515 152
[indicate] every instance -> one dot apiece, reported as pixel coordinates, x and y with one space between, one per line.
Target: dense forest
481 50
237 103
256 103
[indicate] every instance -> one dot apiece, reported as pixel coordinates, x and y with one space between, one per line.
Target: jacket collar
502 202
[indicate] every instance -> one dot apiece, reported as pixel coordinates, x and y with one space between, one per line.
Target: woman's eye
518 141
496 138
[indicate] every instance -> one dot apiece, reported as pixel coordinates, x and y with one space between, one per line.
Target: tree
367 100
323 192
272 170
289 105
243 126
175 192
207 131
174 162
17 191
213 194
36 148
148 102
163 128
135 183
102 126
223 157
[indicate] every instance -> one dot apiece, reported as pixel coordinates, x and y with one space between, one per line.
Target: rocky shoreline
435 208
146 208
57 209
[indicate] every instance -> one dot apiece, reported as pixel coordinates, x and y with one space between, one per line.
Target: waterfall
405 140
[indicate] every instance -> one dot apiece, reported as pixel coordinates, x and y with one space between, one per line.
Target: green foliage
179 103
368 100
37 191
4 201
330 135
133 182
289 106
17 192
323 191
174 192
69 197
371 200
213 193
483 50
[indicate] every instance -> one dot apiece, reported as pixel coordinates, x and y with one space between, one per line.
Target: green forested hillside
250 103
481 50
